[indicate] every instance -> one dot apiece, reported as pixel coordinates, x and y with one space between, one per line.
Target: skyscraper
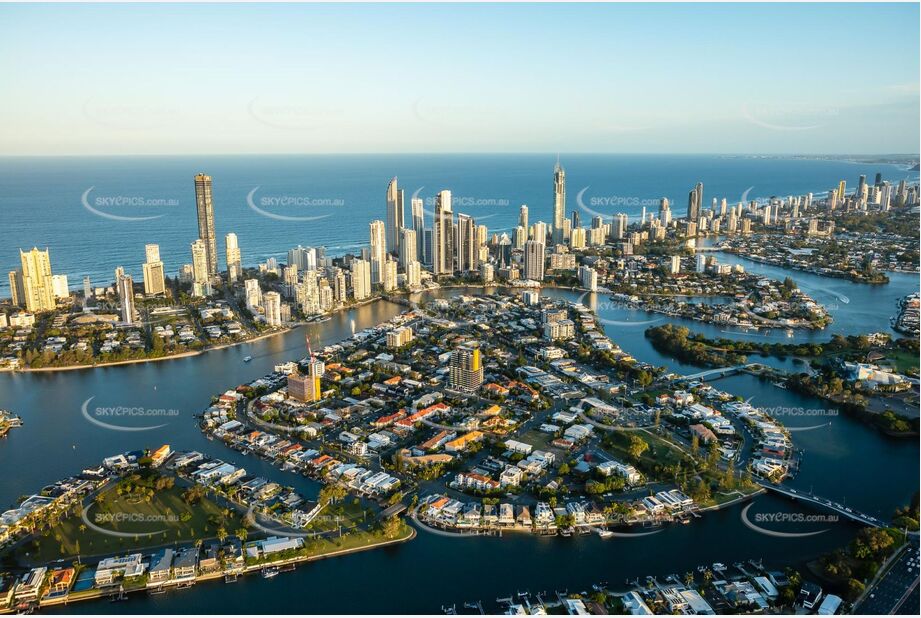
466 370
394 215
665 213
205 211
619 226
559 203
234 262
576 219
408 246
442 235
413 275
154 281
466 243
523 217
695 201
534 260
361 279
17 294
378 251
418 214
272 306
201 279
126 298
36 284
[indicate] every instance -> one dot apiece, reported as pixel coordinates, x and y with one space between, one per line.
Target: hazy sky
168 79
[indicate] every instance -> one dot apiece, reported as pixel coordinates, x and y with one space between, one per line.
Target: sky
653 78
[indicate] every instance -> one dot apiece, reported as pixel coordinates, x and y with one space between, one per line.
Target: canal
844 460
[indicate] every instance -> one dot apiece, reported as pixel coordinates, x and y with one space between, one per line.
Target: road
896 592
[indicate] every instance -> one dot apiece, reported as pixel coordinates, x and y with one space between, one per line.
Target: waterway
844 460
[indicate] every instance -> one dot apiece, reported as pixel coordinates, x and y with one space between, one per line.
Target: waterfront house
185 566
111 569
524 517
809 596
830 605
543 514
30 584
161 566
635 605
7 589
211 562
59 582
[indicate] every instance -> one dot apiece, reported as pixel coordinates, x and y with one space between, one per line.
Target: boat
605 534
719 566
270 572
246 359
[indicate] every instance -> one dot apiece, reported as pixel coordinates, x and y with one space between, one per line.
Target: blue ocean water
330 199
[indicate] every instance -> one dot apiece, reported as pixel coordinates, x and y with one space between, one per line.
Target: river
844 460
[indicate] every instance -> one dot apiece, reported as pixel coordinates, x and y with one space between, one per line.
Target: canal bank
849 461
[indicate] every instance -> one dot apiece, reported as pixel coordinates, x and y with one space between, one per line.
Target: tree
241 533
391 527
637 447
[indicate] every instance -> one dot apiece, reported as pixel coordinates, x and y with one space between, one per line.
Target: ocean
97 213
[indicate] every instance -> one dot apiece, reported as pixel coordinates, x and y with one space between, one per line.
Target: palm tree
221 533
241 533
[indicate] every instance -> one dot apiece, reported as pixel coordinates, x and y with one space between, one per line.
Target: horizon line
463 152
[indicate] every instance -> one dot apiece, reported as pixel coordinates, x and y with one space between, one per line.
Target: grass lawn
348 513
165 519
659 450
353 540
903 360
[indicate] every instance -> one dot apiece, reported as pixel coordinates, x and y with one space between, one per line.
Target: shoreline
95 595
189 353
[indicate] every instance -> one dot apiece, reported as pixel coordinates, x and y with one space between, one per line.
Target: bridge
714 373
827 504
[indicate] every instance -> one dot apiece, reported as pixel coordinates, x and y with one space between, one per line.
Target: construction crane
309 350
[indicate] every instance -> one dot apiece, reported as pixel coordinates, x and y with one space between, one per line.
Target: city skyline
749 81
